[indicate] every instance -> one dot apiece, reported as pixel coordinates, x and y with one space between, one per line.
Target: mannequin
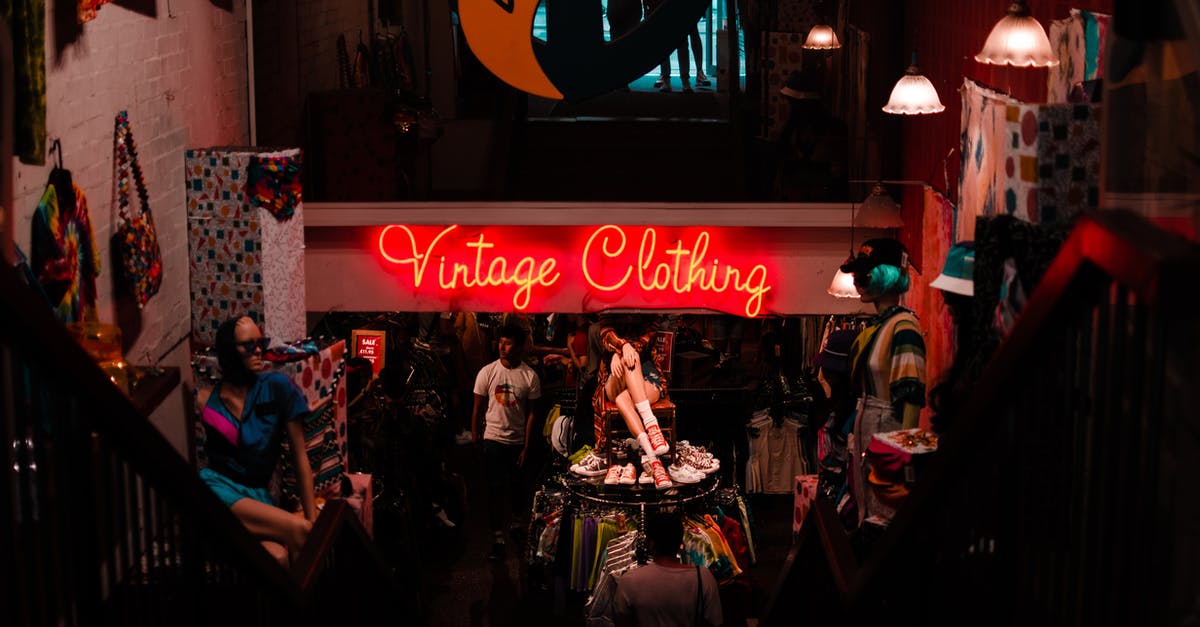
245 416
629 379
887 368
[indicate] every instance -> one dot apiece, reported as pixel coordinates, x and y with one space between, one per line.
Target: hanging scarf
273 183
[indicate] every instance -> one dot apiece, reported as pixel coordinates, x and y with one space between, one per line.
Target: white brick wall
182 76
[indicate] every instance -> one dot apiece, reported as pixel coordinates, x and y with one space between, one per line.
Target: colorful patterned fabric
1067 39
88 8
1068 156
27 21
984 140
273 183
1020 174
65 257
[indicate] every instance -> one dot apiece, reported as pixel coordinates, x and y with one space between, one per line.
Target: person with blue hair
887 370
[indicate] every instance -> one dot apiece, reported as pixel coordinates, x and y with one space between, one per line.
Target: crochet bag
135 242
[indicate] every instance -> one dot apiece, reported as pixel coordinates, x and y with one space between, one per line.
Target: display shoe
654 467
702 80
645 478
704 462
628 475
614 475
682 473
657 441
591 466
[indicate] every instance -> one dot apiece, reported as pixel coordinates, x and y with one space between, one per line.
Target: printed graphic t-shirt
508 391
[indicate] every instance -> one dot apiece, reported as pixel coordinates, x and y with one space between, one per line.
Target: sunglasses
249 346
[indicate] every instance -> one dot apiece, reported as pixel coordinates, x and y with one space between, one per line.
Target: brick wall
181 75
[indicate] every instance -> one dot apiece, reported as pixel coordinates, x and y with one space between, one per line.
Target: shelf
150 389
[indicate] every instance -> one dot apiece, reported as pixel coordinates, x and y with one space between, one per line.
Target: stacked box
244 261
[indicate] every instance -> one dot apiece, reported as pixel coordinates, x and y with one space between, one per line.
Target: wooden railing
103 522
1065 492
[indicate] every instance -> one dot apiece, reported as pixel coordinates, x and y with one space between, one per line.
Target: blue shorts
230 491
651 374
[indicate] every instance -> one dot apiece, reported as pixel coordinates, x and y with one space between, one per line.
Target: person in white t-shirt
505 388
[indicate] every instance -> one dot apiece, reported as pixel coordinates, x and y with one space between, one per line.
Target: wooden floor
463 588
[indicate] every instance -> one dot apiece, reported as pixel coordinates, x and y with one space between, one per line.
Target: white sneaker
591 466
645 478
614 475
684 473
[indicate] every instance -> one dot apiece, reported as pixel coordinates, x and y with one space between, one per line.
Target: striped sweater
888 358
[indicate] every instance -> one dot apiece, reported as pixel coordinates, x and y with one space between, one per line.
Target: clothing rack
668 501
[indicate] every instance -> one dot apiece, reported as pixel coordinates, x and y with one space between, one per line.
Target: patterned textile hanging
273 183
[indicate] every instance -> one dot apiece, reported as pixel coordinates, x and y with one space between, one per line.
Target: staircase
1065 492
103 523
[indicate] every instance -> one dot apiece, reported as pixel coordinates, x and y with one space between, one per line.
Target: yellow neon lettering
587 248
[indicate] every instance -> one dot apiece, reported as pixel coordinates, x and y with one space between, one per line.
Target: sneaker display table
640 496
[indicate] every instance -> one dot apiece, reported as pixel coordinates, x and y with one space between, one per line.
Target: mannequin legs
272 524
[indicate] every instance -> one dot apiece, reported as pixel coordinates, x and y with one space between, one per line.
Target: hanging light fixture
1019 40
822 37
879 211
914 94
842 285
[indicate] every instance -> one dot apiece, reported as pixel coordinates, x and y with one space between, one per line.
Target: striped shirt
888 358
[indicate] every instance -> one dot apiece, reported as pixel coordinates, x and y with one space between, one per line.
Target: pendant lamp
822 37
843 286
913 94
1019 40
879 211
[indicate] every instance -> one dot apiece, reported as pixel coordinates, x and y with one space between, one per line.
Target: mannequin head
880 271
240 345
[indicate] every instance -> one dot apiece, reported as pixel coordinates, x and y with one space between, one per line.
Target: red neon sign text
607 267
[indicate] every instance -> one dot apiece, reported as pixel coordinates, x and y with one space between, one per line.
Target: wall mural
575 62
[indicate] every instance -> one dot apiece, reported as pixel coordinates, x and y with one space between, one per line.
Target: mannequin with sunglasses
887 369
246 415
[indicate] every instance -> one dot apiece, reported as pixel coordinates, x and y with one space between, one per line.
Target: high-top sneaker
654 468
657 441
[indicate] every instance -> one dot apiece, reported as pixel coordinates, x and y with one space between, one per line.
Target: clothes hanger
60 178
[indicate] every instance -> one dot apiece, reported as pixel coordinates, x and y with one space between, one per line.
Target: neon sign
527 265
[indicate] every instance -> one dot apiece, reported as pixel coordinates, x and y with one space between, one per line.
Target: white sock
643 410
644 441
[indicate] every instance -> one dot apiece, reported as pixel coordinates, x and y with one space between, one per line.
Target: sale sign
370 345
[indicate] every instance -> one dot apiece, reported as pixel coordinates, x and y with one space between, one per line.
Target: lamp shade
843 286
879 211
822 37
913 94
1019 40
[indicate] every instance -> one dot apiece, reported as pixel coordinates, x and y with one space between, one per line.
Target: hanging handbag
135 243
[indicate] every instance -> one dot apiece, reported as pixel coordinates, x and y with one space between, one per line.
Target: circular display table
593 489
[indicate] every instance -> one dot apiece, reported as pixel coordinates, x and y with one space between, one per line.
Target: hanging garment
27 21
65 257
774 454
